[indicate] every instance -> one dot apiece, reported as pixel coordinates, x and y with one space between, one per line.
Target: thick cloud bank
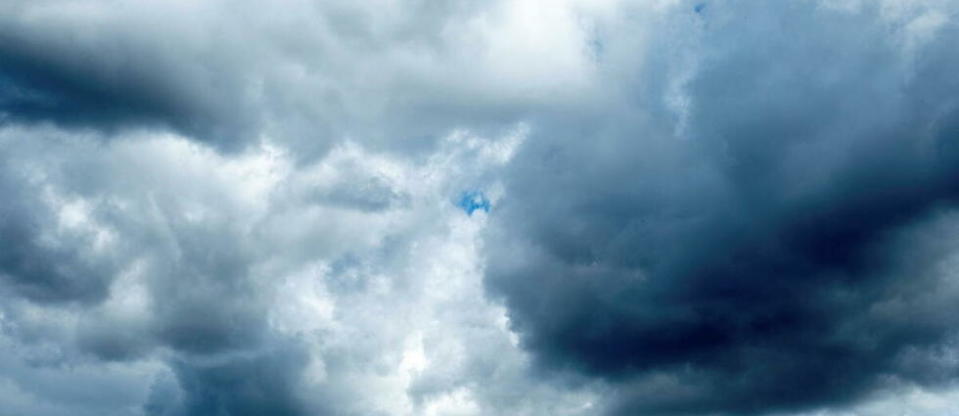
479 208
785 240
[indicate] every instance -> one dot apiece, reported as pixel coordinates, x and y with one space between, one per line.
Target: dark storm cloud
261 384
108 74
734 259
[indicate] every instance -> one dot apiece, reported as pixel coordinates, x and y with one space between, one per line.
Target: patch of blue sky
471 201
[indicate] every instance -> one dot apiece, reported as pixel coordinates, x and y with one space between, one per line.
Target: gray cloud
227 74
731 255
237 285
695 208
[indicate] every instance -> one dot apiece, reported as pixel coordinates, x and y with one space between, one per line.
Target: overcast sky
479 207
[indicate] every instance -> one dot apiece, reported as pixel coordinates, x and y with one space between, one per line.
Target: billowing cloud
478 208
395 74
769 234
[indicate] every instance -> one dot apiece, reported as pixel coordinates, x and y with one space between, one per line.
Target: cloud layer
479 208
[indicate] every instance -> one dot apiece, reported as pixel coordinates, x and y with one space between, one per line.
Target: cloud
307 74
238 284
477 208
724 239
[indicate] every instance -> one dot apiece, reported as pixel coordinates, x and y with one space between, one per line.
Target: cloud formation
478 208
777 243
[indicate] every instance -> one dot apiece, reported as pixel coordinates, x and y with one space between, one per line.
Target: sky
465 207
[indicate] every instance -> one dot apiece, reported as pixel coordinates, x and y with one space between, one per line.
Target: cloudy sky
479 207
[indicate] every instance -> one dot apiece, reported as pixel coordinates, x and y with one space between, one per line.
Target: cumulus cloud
395 74
478 208
732 243
239 285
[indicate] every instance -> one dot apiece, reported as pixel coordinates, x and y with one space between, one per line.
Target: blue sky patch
470 201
